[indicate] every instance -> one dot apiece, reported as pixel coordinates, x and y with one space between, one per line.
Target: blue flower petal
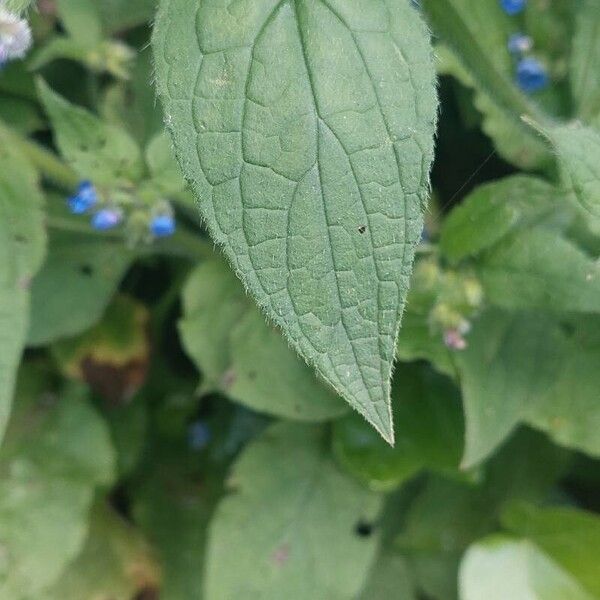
107 218
532 76
513 7
163 226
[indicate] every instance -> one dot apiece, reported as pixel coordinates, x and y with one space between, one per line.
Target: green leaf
116 562
539 269
429 432
174 511
569 536
59 47
118 15
292 518
164 170
492 211
390 578
530 368
244 357
448 515
585 61
81 20
498 568
22 248
306 130
75 285
54 456
95 150
417 341
23 115
578 150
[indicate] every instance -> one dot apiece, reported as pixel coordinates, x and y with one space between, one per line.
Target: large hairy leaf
22 247
294 522
305 128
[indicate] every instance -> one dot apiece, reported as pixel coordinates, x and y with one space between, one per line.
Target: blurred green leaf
417 341
23 115
492 211
165 173
539 269
294 521
530 368
22 249
56 453
498 568
578 151
75 285
585 61
95 150
116 562
569 536
429 432
174 511
244 357
118 15
389 578
81 19
448 515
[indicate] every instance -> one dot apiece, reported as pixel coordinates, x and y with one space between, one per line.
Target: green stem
184 242
45 161
78 226
449 24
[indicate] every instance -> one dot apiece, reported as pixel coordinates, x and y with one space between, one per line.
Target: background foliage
161 439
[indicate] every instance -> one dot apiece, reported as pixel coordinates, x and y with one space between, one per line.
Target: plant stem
45 161
184 242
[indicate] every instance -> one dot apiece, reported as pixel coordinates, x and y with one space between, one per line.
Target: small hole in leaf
363 529
362 229
86 270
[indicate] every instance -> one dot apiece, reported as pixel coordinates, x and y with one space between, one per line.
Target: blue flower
198 435
163 225
84 198
513 7
107 218
519 43
531 75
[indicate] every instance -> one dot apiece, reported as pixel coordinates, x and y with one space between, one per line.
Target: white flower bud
15 36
